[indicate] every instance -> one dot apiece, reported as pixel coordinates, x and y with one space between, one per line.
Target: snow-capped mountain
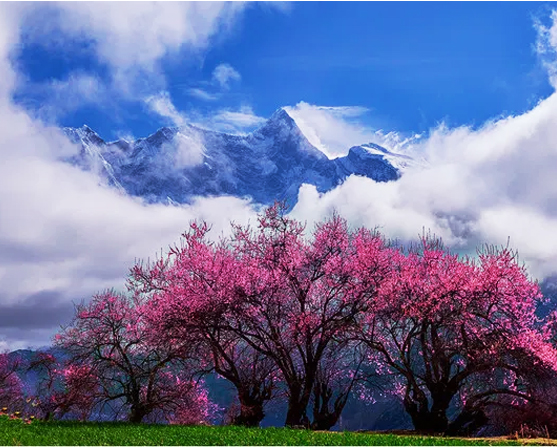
175 164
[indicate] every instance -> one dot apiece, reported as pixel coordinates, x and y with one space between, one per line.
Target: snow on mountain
177 163
399 161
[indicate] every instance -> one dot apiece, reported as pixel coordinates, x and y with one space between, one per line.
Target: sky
467 87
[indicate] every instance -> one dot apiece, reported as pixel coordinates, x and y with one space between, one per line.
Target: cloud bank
480 186
132 38
332 130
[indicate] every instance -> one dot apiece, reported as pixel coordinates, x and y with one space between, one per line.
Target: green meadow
18 432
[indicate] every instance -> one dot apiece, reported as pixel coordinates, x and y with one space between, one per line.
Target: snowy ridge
399 161
175 164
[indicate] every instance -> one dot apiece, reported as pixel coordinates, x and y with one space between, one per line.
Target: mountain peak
280 122
87 129
280 118
280 115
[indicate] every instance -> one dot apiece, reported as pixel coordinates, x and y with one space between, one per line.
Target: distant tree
60 389
11 390
109 339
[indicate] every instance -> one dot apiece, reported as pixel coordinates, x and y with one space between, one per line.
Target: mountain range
175 164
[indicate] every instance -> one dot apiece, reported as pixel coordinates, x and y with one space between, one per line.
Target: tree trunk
323 417
296 415
296 412
251 412
428 420
439 420
137 414
325 420
467 423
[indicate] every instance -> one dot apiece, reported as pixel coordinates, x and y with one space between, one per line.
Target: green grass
15 432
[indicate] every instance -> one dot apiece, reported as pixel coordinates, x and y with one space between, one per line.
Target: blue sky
468 89
411 65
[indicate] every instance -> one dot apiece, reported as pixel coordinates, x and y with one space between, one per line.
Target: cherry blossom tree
192 293
268 304
60 389
299 295
109 339
195 408
452 329
537 415
11 395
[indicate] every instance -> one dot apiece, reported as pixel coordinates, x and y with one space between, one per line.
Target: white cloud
9 37
224 120
236 120
138 34
480 186
78 86
335 129
344 111
162 105
59 97
187 149
132 38
546 46
223 74
199 93
332 130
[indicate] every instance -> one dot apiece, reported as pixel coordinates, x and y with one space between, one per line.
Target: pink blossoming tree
109 339
60 390
275 294
192 294
11 395
450 328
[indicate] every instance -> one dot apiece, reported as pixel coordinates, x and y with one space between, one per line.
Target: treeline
311 321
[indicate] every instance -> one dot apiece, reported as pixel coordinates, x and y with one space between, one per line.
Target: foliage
60 390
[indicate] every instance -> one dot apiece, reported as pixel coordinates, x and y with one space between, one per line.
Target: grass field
16 432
